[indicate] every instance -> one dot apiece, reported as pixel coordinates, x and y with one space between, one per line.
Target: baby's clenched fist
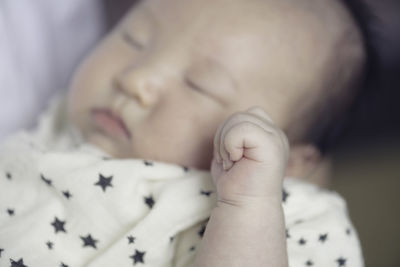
250 157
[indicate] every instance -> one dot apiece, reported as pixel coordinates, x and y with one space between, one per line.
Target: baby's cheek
202 148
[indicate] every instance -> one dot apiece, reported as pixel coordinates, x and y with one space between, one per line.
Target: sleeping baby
172 146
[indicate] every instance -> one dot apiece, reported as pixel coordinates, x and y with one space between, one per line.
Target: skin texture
173 71
250 156
196 84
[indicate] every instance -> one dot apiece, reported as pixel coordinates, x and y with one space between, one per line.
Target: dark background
366 159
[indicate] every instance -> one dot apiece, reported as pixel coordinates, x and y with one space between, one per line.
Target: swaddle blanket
69 204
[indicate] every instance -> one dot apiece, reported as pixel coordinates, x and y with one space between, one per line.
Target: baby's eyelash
130 40
193 85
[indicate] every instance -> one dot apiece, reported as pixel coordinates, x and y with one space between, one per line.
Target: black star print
298 222
58 225
8 175
341 261
1 250
104 182
148 163
19 263
192 248
49 245
185 169
309 263
47 181
63 265
138 257
10 212
285 195
323 237
348 231
171 238
89 241
302 241
287 233
67 194
149 201
206 193
202 230
106 158
131 239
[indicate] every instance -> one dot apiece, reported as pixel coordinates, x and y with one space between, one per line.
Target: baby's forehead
214 22
281 35
222 14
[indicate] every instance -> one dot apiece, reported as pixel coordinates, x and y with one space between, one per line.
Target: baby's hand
250 156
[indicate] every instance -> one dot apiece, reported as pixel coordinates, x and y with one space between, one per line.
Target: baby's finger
236 154
249 139
260 112
225 157
227 161
286 145
217 139
240 117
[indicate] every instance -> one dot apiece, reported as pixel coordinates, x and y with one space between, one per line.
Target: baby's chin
108 145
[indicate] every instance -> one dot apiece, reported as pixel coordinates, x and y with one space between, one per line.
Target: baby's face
172 71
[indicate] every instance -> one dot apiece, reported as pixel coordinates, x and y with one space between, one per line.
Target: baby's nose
142 84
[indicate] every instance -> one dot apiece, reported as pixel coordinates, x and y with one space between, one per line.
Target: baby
227 86
172 71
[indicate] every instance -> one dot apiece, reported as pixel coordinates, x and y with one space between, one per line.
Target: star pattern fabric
89 241
47 181
138 257
73 205
323 237
19 263
67 194
49 244
10 212
131 239
58 225
104 182
149 201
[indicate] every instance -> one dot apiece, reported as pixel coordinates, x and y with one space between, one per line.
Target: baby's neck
321 174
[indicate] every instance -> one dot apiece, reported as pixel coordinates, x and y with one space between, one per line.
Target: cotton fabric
67 203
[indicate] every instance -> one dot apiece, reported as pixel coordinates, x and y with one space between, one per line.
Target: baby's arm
247 227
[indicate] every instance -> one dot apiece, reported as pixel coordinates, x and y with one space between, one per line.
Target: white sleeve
41 42
319 230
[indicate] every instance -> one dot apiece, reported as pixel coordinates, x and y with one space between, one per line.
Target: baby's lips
110 123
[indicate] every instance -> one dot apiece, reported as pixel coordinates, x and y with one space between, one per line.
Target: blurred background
366 152
366 157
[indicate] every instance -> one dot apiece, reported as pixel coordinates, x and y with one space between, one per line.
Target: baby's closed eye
210 78
132 41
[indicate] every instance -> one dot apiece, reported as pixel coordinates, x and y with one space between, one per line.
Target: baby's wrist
247 203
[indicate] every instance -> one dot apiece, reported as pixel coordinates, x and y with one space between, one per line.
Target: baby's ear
306 163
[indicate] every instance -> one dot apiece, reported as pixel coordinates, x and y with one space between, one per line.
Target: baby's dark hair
332 119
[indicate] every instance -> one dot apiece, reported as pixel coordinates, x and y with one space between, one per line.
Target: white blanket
64 203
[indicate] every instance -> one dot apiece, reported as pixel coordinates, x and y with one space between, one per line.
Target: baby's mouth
110 123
